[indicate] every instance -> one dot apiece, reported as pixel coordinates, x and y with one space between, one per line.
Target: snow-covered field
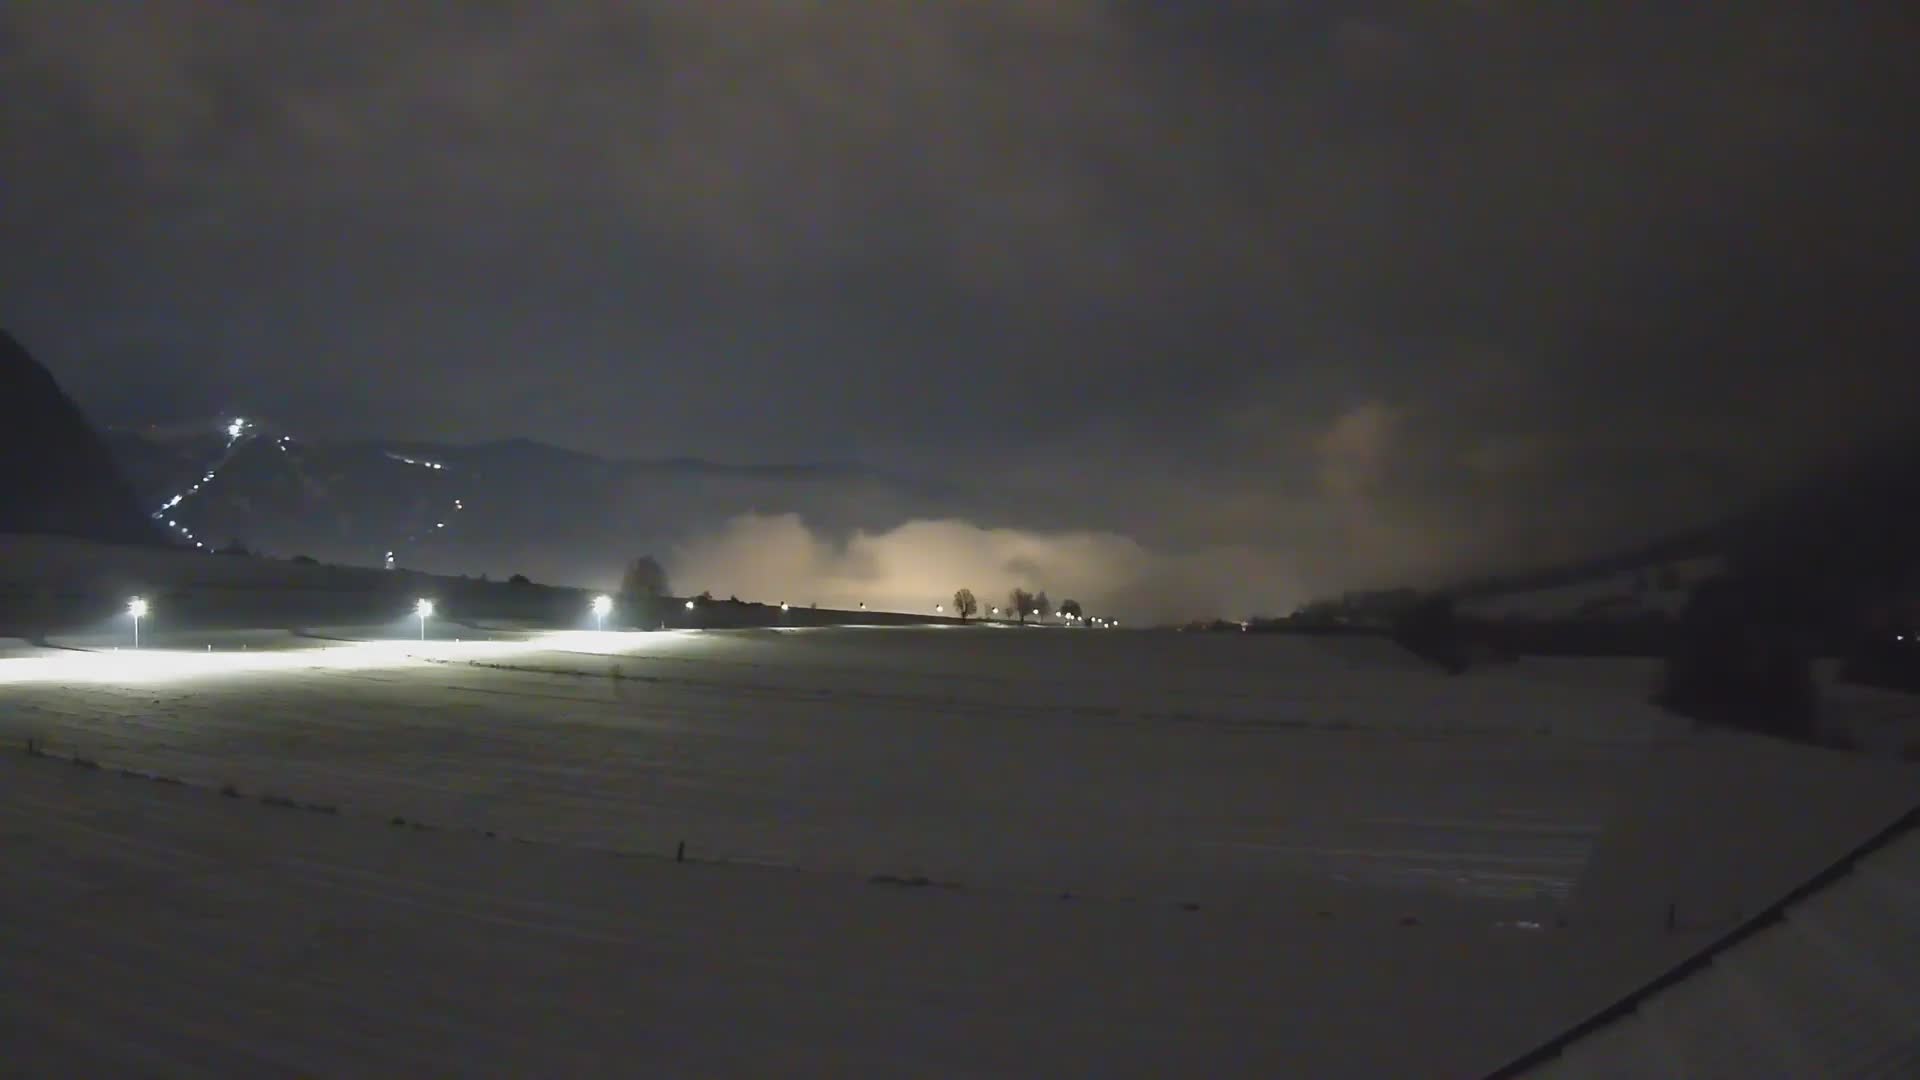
1050 760
1165 853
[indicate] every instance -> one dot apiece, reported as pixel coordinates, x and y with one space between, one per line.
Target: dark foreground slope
57 476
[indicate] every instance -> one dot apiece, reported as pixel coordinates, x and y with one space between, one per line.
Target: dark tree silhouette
965 604
644 579
1072 608
1041 605
642 589
1021 601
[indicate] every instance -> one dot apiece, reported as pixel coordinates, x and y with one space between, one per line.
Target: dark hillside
56 476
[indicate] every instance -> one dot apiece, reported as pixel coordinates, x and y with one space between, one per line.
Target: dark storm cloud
1378 288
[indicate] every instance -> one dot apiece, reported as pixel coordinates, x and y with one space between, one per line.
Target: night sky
1310 294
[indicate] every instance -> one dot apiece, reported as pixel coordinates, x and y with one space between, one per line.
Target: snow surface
1171 766
1283 855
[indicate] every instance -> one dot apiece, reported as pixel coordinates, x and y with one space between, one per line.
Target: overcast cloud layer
1358 291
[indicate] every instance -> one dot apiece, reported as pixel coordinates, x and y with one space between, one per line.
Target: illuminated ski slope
242 433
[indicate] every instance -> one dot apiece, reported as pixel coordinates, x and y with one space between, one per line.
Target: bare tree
1071 608
1041 605
965 604
1021 601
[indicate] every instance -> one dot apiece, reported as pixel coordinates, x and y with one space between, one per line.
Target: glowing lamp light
689 605
601 605
137 607
423 607
783 605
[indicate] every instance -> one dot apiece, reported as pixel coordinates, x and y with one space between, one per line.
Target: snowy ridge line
1769 916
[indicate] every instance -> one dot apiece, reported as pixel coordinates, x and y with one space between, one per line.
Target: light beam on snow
127 667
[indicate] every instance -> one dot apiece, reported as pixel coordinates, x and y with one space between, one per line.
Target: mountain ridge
60 476
499 506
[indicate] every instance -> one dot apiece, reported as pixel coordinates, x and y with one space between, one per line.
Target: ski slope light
136 607
689 605
601 605
423 607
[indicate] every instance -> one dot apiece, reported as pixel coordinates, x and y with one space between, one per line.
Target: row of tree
1020 603
644 587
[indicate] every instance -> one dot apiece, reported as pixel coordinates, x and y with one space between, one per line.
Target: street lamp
689 605
423 607
136 607
601 605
